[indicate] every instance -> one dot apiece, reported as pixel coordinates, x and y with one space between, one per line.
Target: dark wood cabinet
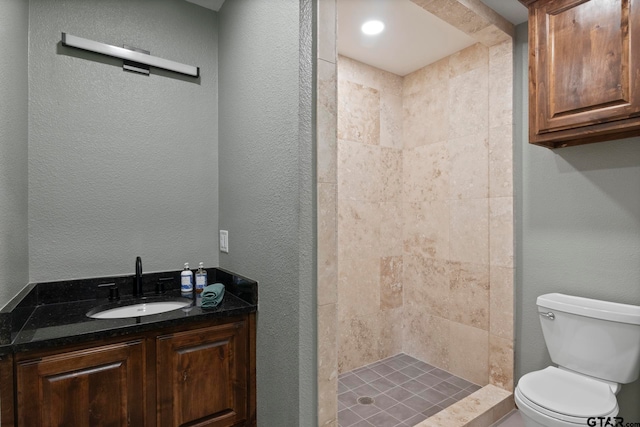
200 374
99 386
584 71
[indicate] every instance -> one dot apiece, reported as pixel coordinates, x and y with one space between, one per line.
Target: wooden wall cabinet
200 375
584 71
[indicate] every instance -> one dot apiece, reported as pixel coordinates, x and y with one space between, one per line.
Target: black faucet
137 281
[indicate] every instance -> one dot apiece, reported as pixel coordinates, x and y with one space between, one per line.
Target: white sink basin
137 310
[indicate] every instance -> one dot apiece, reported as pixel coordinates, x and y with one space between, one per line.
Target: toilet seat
566 396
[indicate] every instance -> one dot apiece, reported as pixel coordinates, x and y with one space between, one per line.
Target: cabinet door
584 70
101 386
202 376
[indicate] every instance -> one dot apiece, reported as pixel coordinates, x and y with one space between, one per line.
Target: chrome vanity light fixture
129 55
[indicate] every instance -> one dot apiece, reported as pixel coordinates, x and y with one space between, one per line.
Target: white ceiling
413 38
209 4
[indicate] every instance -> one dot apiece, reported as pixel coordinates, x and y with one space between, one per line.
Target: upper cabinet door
584 71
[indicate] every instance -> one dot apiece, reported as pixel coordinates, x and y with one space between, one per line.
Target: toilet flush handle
548 315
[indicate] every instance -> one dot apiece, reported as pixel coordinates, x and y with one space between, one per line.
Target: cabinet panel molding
584 71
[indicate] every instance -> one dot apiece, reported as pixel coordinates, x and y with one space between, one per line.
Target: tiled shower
415 223
424 215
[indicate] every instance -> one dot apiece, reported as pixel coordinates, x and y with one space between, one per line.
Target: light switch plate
224 241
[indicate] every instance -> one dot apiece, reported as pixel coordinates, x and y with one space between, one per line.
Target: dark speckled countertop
53 314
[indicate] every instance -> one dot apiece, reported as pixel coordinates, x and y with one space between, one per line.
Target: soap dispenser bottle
186 282
201 282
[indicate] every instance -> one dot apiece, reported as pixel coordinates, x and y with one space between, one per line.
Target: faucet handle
114 292
160 284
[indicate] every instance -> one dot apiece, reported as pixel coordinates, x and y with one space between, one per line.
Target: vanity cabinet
99 386
200 373
584 71
202 376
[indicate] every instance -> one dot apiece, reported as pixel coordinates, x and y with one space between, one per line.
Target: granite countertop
53 314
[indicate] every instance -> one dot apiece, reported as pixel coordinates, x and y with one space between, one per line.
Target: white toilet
596 345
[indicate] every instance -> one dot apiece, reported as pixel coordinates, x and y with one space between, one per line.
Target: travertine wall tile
358 113
469 166
501 362
426 77
391 120
501 231
501 84
469 285
389 332
501 161
425 173
357 341
426 229
369 173
391 240
426 119
469 353
426 337
326 126
370 240
469 103
501 302
475 56
426 284
326 33
359 282
358 229
390 282
327 364
327 245
469 231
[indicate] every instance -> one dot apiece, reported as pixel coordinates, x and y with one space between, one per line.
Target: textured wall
14 256
121 164
265 190
369 208
578 228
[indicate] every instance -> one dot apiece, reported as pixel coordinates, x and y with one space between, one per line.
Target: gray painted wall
577 228
14 255
266 196
121 164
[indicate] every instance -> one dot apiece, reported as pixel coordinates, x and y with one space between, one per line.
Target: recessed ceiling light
372 27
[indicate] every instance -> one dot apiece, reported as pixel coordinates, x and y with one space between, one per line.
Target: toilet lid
568 393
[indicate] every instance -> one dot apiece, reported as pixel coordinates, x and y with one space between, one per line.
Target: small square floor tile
412 371
440 373
446 388
348 398
365 411
382 369
383 419
384 401
346 418
429 380
399 393
417 403
397 377
382 384
352 381
401 412
433 396
368 375
414 386
432 411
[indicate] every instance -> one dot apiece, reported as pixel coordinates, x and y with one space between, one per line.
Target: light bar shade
130 55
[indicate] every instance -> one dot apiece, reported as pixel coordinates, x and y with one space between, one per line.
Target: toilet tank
596 338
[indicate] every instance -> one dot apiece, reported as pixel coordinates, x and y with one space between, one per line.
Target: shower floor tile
399 391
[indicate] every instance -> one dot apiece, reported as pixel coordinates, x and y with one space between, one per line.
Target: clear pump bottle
201 282
186 282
